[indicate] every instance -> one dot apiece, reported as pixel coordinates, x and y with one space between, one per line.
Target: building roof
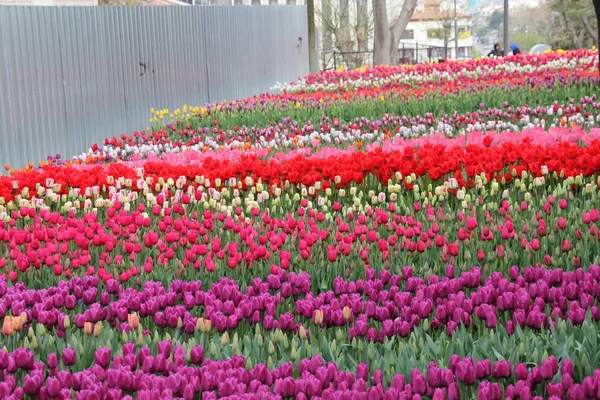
431 10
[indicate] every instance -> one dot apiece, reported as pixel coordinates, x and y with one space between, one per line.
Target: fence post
417 53
334 61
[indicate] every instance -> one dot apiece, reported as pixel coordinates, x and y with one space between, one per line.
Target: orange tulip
133 320
7 328
17 324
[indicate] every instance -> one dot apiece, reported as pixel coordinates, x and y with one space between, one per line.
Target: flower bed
356 236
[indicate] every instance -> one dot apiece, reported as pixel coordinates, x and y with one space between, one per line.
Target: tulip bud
293 354
225 339
271 348
302 332
346 312
318 317
426 325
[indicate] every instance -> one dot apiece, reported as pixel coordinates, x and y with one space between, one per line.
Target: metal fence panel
71 76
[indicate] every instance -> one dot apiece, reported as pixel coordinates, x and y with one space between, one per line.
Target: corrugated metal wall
71 76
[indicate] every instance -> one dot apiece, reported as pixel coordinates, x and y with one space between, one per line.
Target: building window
408 34
464 33
435 34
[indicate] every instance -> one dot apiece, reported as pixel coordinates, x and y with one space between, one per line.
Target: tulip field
403 232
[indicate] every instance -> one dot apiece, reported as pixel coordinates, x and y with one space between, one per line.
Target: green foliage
575 25
526 41
496 20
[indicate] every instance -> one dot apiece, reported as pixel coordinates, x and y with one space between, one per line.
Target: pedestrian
515 49
496 52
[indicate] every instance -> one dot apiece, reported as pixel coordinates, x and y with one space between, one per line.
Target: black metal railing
408 53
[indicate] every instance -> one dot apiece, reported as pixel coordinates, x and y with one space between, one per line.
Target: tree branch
589 30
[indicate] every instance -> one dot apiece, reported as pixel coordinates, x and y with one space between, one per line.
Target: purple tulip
501 369
31 385
418 383
164 348
52 361
483 369
434 376
576 392
554 389
102 357
53 387
69 357
567 368
197 355
465 373
547 370
362 372
398 382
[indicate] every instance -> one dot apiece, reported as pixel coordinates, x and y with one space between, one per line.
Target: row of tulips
173 372
424 159
376 309
463 94
483 68
289 134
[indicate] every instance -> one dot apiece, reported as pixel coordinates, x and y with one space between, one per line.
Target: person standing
515 49
496 52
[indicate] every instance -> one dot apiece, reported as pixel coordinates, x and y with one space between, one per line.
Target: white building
430 28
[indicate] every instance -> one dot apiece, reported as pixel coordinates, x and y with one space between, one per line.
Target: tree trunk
399 26
256 2
568 30
597 8
327 28
343 35
313 57
381 34
589 29
362 29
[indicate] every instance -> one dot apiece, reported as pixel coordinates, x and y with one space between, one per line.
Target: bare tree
362 25
386 37
597 9
326 29
346 27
